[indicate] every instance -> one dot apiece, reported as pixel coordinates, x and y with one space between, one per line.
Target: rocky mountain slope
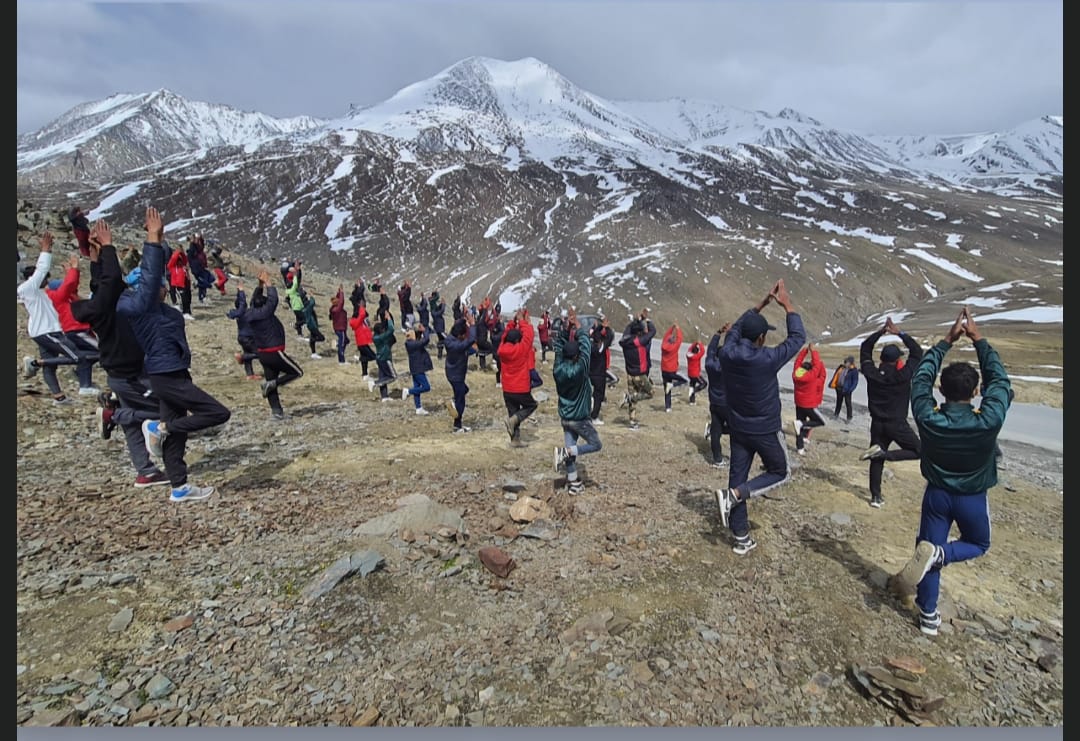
335 576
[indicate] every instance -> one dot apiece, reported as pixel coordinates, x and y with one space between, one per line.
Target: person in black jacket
358 296
718 407
461 338
601 336
244 336
423 310
127 403
888 397
636 344
405 304
278 368
438 321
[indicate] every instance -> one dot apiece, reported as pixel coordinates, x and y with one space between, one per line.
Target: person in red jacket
339 319
62 293
543 329
809 379
516 357
693 370
365 338
669 362
180 281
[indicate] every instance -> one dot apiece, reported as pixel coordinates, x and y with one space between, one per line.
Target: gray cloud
873 67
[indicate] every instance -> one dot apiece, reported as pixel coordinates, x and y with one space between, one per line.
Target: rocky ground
334 578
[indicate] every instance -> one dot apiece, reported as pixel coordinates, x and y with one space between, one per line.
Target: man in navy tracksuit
753 396
185 408
718 407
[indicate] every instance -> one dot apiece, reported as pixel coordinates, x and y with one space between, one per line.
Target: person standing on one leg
888 394
601 336
636 344
249 351
543 331
185 408
128 402
514 358
419 364
339 321
958 461
669 363
279 369
694 353
383 335
78 333
573 356
717 425
808 379
753 396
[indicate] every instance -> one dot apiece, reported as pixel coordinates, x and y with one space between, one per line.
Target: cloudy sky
874 67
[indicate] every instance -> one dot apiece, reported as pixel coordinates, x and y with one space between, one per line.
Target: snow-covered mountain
506 178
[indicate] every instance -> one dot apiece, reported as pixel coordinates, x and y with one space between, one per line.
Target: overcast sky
872 67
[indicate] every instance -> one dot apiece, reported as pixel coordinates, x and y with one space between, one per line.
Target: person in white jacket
43 325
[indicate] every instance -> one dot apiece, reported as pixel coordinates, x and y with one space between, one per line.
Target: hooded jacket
572 376
66 292
239 315
267 329
693 359
809 384
361 329
669 350
515 359
888 387
159 328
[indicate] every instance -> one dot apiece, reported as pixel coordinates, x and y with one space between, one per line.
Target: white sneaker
598 422
371 384
708 430
668 387
798 427
387 398
316 356
421 412
89 391
404 394
189 318
189 492
801 451
667 409
926 555
30 367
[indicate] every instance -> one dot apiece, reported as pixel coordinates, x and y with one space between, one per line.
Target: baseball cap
755 325
890 353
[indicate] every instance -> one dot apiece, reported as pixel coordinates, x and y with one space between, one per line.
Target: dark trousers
885 433
697 383
718 425
460 392
843 399
184 408
248 354
280 368
299 322
599 393
810 419
771 450
136 406
520 406
87 344
56 349
671 379
366 356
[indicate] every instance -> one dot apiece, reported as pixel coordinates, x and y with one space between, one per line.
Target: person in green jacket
571 372
958 461
311 321
384 339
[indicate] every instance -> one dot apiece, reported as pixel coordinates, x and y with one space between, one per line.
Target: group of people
126 326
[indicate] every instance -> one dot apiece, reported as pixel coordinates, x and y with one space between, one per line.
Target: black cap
570 350
514 335
755 325
890 353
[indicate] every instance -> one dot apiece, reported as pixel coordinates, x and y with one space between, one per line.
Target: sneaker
876 502
63 401
575 487
316 356
801 451
725 500
404 394
924 559
690 394
462 430
29 366
267 387
560 458
598 422
142 482
239 358
452 409
498 385
872 453
798 427
708 430
635 426
153 435
108 400
625 399
356 358
512 424
254 377
744 545
929 624
278 414
387 398
89 391
189 318
105 424
421 412
371 384
188 492
722 463
668 387
667 409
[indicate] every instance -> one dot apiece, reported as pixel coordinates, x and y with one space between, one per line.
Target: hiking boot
876 502
142 482
872 453
153 436
560 458
744 545
105 424
725 500
267 387
188 492
929 624
30 367
925 558
575 487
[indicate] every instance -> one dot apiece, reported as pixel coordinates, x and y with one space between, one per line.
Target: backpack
838 377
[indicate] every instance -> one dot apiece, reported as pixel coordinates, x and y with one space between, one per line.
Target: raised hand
890 327
780 295
46 242
73 262
100 233
725 328
264 277
155 227
970 328
956 331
